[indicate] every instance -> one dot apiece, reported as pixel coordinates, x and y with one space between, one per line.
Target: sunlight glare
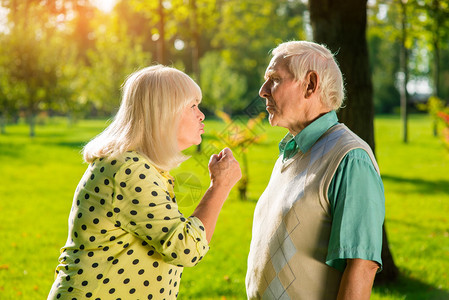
104 5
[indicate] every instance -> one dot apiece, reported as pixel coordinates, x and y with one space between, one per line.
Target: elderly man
317 230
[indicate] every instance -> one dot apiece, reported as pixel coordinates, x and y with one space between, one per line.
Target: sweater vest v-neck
292 223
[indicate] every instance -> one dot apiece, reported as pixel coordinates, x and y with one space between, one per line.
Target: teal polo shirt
356 197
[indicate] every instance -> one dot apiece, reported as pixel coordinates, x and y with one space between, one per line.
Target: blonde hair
306 56
148 117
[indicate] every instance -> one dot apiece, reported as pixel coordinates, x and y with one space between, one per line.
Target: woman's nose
201 116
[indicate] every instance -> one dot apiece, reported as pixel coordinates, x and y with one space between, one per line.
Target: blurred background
69 57
62 63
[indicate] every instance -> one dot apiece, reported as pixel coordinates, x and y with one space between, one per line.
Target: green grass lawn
39 175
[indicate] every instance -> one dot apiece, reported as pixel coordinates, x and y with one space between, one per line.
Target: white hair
306 56
148 118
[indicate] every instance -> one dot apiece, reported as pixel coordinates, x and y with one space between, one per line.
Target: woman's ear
311 83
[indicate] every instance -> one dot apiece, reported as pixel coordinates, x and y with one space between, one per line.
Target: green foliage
222 88
43 172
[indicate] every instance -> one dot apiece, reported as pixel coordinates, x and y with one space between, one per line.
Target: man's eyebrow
269 73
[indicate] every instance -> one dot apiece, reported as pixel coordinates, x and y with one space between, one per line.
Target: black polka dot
103 231
67 278
141 271
92 238
142 176
106 248
150 216
154 193
202 228
96 221
94 265
102 201
135 158
106 181
138 189
84 283
122 184
186 251
121 271
149 226
135 201
86 196
92 177
77 261
102 169
83 227
135 262
132 291
113 162
164 229
116 210
146 283
80 271
161 290
70 289
80 215
147 166
109 214
174 255
106 280
97 189
128 171
155 264
194 259
88 295
180 236
150 296
133 212
115 261
150 253
99 276
152 204
168 206
91 209
120 197
126 281
112 291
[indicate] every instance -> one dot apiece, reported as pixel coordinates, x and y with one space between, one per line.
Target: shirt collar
306 138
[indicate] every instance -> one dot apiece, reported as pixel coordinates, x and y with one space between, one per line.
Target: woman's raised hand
224 169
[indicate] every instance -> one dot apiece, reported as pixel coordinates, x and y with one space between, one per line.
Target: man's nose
264 91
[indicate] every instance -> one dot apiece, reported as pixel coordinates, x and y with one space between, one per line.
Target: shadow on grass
422 185
411 289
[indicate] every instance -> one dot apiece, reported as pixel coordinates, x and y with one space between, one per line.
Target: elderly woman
127 238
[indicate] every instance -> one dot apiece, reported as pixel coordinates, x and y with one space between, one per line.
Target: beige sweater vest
292 223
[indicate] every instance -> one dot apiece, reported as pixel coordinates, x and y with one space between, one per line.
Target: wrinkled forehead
278 65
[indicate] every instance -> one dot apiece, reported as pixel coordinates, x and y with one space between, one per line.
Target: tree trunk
405 75
341 26
161 51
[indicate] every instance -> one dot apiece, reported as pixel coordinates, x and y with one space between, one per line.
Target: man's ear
311 83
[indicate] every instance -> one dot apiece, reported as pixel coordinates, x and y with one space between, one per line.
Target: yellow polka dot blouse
127 238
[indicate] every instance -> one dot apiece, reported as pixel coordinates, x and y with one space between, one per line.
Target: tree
341 25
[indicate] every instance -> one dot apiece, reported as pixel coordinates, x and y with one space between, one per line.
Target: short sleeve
143 207
357 200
